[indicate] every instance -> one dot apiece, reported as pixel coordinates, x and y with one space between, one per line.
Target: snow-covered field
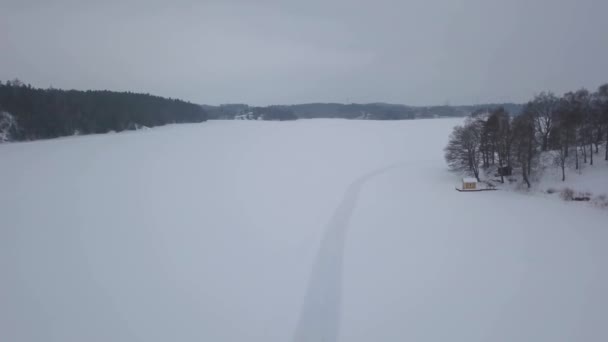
314 230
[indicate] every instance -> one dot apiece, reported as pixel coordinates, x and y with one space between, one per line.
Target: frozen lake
313 230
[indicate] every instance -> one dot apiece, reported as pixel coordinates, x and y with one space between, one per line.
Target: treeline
387 111
369 111
272 113
245 112
570 129
33 113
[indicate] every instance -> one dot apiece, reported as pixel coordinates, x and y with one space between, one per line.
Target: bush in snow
600 201
583 196
567 194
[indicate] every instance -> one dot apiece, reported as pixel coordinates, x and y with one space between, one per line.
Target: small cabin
469 183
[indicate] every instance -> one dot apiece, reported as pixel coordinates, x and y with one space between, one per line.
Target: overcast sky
419 52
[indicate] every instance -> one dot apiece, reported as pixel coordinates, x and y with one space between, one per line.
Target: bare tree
524 147
544 109
462 152
601 107
497 129
564 132
568 122
560 160
486 147
588 120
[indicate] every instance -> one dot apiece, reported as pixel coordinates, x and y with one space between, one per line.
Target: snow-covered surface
589 181
469 180
589 178
310 230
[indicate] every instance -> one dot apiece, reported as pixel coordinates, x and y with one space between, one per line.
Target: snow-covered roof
469 180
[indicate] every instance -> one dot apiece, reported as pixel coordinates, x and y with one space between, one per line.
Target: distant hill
369 111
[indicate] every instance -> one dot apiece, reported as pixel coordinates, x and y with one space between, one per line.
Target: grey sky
277 52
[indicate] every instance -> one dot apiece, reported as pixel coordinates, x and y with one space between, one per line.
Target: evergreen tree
49 113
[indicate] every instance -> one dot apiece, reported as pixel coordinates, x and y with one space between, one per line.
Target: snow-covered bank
588 184
589 180
224 231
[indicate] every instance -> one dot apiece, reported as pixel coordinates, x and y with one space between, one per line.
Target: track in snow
320 316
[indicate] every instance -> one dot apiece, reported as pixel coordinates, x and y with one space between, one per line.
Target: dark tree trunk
486 162
584 154
563 164
529 159
525 175
576 152
598 139
501 170
591 154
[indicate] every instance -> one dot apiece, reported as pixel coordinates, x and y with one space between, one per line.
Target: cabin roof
469 180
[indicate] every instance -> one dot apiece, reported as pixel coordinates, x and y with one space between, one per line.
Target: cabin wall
470 186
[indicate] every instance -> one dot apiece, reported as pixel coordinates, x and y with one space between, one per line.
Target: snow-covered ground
313 230
591 180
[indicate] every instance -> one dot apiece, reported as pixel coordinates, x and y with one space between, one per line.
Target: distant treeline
28 113
570 129
370 111
246 112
